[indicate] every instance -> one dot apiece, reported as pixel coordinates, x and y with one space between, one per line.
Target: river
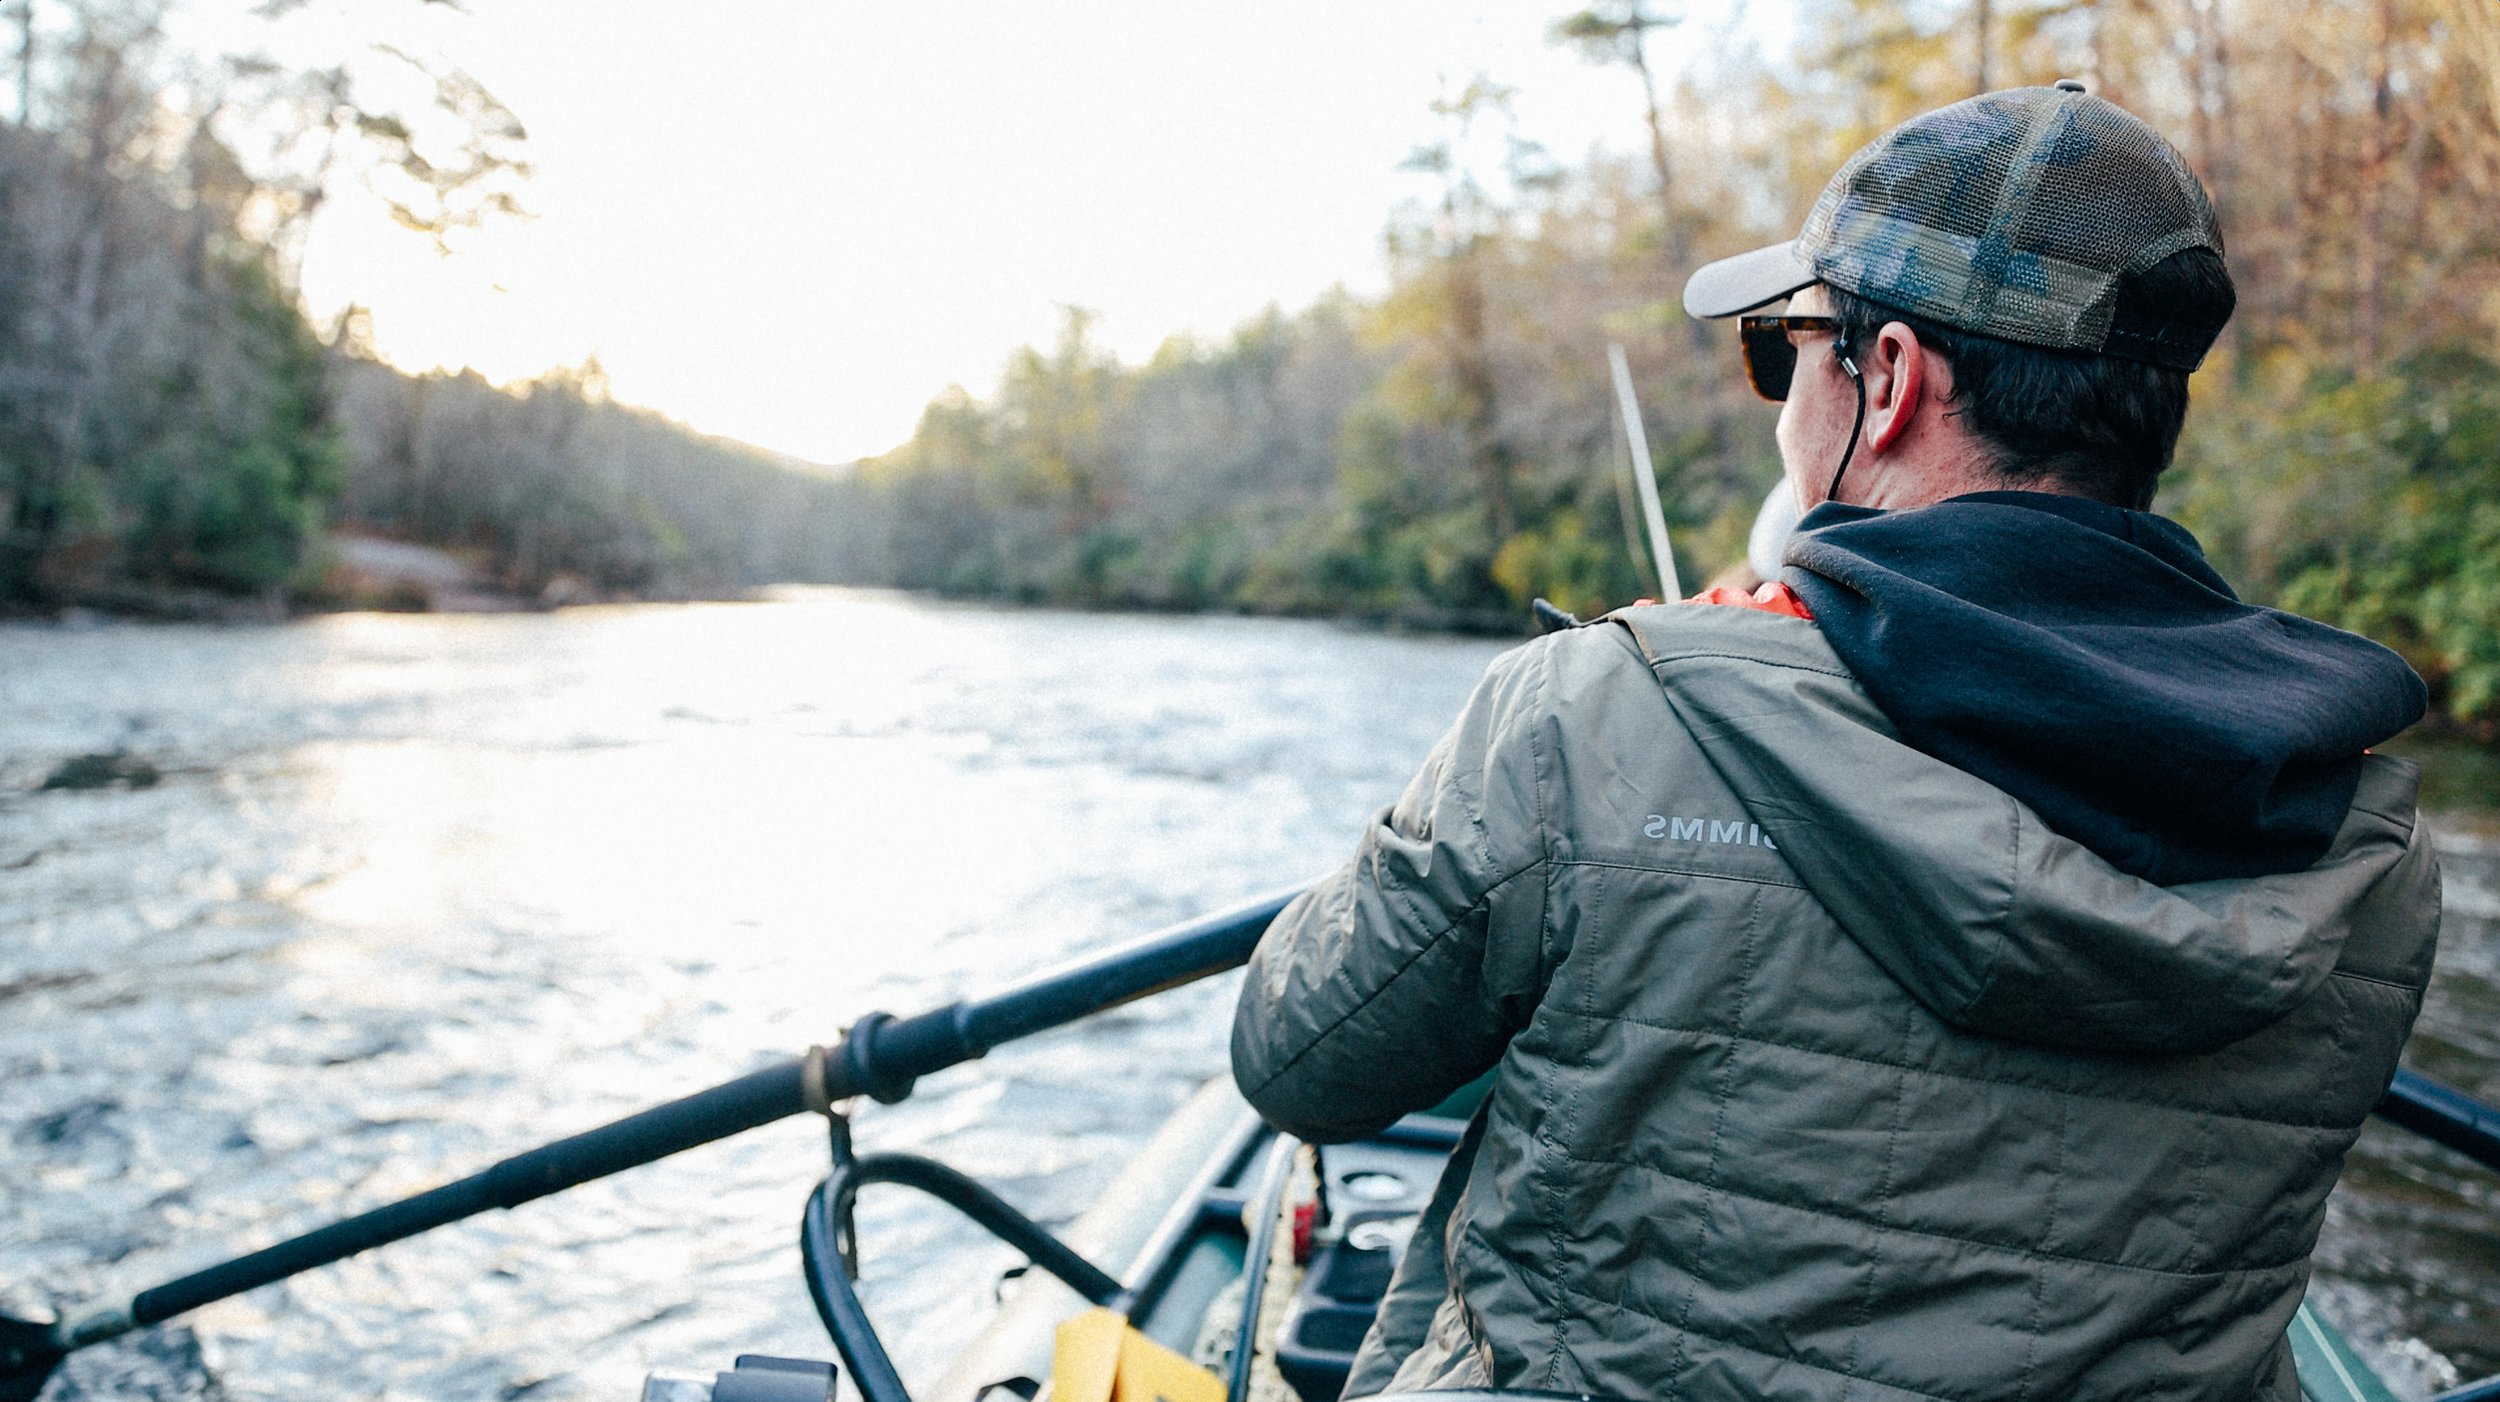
412 892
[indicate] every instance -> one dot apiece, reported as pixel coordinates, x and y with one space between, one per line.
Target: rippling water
415 892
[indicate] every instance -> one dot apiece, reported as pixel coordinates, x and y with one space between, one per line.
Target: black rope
1842 352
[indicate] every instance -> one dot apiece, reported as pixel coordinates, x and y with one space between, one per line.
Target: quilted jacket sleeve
1403 976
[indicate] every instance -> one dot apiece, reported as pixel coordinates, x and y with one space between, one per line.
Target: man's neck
1922 478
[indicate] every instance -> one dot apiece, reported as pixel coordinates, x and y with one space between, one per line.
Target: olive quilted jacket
1824 1068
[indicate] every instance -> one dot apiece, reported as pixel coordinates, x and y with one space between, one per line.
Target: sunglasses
1770 356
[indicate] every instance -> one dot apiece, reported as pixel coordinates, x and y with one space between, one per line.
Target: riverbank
358 573
372 573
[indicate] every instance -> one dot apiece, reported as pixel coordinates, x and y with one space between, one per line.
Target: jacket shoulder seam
1657 659
1557 1211
2372 979
1664 870
1541 710
1544 830
2404 822
2005 915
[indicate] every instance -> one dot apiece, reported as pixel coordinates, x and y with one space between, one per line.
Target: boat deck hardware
754 1377
1275 1182
824 1234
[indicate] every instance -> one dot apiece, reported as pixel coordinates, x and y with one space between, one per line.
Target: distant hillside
564 493
175 439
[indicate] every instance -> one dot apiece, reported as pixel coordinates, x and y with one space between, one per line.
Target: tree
1618 32
1456 245
164 415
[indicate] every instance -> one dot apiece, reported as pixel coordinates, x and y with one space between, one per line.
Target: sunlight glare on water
419 892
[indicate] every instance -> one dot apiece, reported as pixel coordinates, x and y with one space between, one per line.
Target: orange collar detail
1773 597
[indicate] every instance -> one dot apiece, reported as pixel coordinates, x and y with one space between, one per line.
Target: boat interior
1230 1230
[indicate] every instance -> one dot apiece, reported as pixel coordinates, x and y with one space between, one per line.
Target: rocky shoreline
361 573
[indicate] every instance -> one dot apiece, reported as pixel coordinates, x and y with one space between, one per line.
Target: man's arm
1404 975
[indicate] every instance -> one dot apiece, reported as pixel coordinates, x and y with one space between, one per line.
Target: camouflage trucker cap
2014 214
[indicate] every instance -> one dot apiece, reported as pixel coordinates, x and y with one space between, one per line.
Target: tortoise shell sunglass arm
1770 356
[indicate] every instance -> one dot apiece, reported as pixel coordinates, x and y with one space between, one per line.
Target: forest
173 427
1441 455
177 438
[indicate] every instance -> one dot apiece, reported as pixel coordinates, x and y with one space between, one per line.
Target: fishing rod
1645 478
881 1056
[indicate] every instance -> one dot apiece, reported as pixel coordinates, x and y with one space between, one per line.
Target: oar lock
857 1049
812 1092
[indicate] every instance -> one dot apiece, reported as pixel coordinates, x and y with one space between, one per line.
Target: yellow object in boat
1099 1358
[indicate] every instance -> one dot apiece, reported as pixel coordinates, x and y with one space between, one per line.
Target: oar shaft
742 1104
881 1057
2444 1115
1181 954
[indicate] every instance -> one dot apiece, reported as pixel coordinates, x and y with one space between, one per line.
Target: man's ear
1896 379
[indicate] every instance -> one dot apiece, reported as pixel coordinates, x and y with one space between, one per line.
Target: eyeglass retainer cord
1845 354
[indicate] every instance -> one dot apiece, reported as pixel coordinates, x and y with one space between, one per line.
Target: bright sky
795 221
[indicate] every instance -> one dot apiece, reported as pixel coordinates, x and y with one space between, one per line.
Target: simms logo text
1667 829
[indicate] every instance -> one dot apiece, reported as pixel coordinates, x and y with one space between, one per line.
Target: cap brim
1747 281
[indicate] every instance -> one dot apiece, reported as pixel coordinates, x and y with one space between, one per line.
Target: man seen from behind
1956 970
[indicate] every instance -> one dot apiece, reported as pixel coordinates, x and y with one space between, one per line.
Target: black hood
2085 659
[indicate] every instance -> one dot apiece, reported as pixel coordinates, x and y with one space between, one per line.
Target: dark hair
2094 425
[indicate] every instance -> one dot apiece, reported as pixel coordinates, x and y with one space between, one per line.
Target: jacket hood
2085 659
1968 897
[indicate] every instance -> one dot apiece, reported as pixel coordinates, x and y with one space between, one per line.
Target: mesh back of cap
2015 214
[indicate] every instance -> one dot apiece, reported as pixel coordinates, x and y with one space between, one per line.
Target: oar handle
882 1056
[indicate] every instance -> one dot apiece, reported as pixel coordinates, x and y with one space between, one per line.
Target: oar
880 1057
2444 1115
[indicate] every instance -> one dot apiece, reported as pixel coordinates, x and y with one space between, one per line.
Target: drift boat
1218 1237
1222 1230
